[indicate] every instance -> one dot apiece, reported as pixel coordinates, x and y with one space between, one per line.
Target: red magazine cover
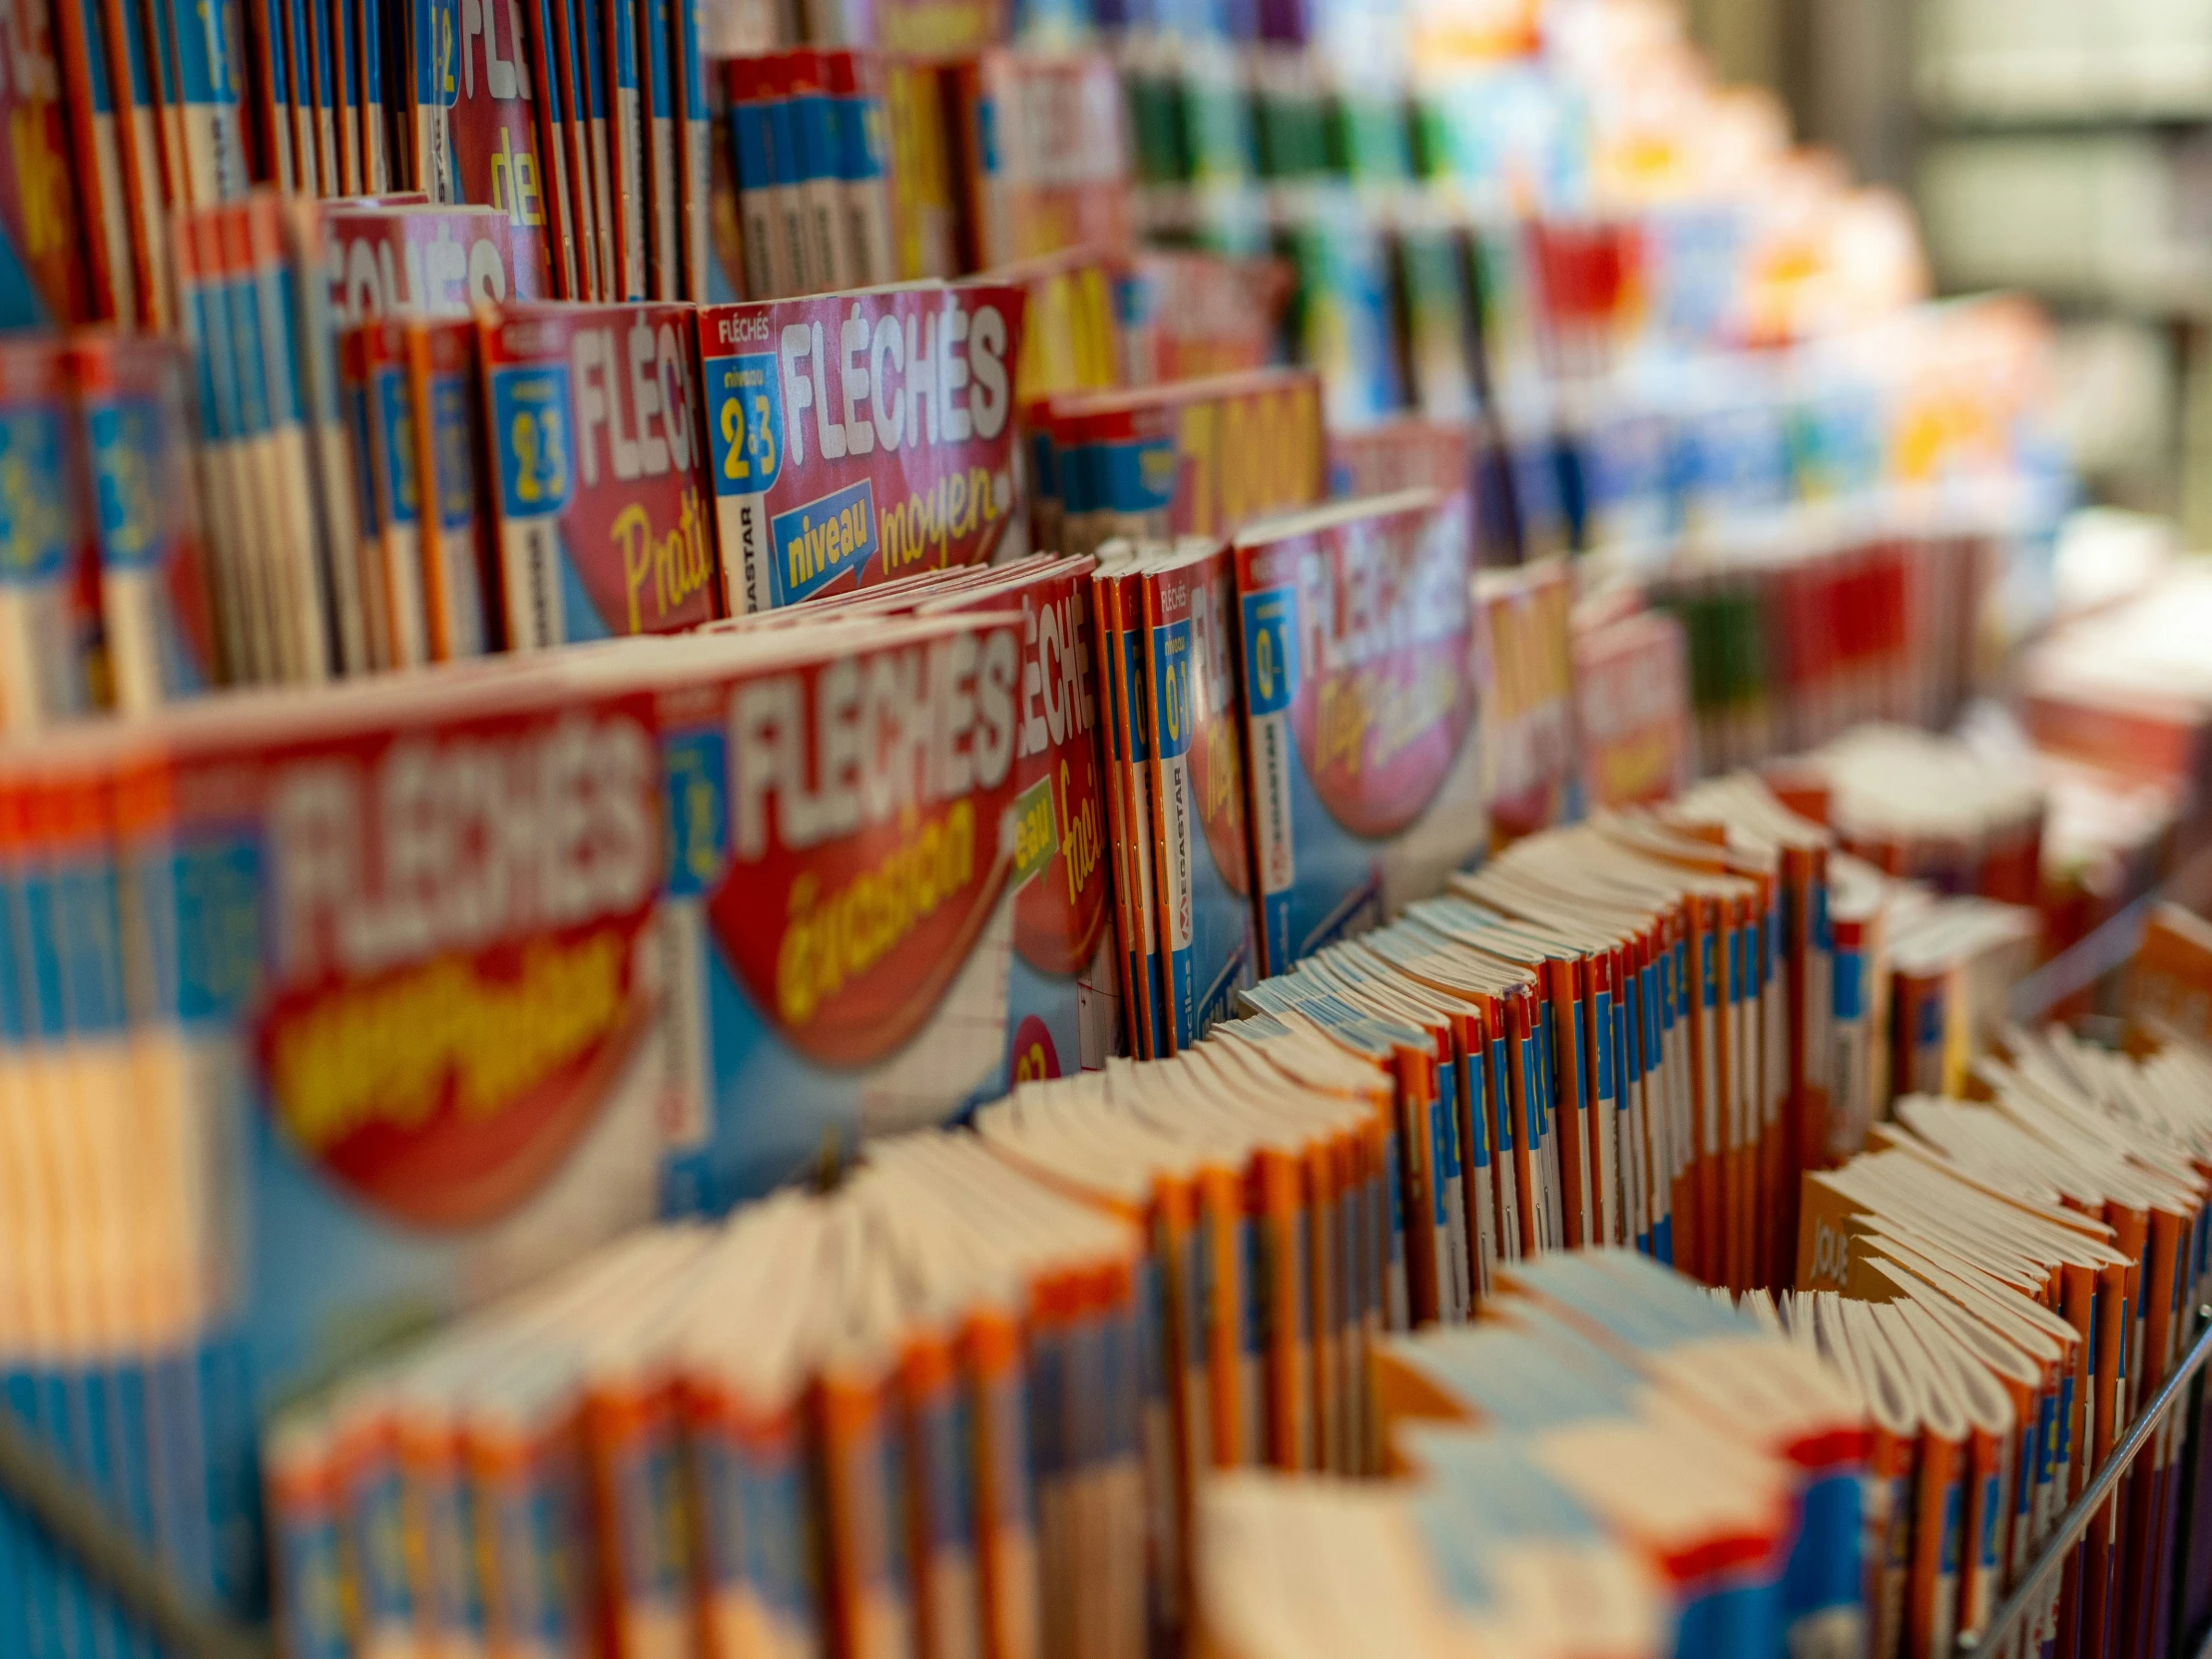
1632 695
1063 915
857 437
423 261
599 489
474 139
1198 457
1043 154
43 279
1186 313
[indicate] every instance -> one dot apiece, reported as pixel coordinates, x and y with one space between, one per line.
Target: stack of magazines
1613 1463
2012 1277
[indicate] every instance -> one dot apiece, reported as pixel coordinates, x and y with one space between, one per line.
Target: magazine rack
55 1501
2002 1633
52 1498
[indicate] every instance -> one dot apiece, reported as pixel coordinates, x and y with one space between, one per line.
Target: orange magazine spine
1005 1522
1170 1223
1135 983
1274 1183
2126 1519
1775 1172
1478 1154
1502 1127
1776 1113
1125 611
2108 1358
138 139
553 149
2147 1517
2172 1439
1526 1154
2024 1455
1320 1198
1562 984
2132 1234
925 1396
1888 1536
1642 1088
2078 1293
1631 1136
1678 955
1371 1225
627 1428
1348 1163
1939 1519
1739 1048
96 164
1222 1212
867 1602
1805 1141
1982 1551
1600 1050
1140 597
1420 1195
1709 1069
1683 981
2100 1548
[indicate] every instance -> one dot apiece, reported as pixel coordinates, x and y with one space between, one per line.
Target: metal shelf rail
53 1500
2001 1634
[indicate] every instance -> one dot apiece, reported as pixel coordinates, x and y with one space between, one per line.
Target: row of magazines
346 470
1984 1303
1128 1363
1059 718
335 1015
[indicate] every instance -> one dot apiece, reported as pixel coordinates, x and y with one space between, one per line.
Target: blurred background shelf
2059 147
2061 61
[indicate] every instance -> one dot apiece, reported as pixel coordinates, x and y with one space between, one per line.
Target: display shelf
2010 1620
75 1521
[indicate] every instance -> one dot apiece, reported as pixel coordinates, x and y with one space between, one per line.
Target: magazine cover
445 392
135 407
422 261
49 617
1064 946
438 1071
1186 313
1358 643
859 437
1042 153
1528 658
1632 705
1196 776
1070 342
42 277
600 492
843 868
1190 457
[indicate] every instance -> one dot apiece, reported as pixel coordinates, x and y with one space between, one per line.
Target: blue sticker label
829 538
1271 649
744 408
696 778
530 419
1172 716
